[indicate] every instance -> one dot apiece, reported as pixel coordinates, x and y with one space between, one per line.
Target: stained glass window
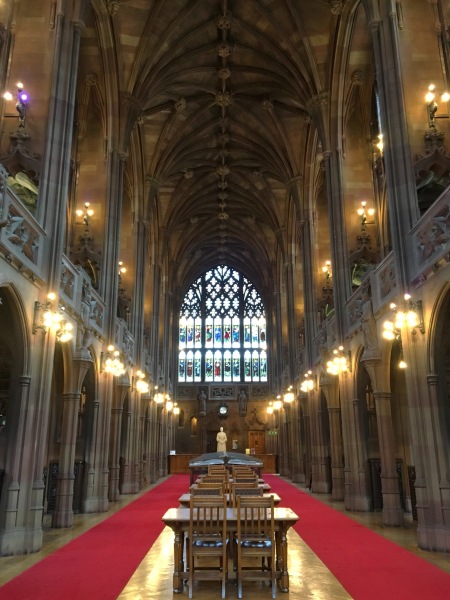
222 330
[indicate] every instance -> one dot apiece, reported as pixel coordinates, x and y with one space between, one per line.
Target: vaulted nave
224 215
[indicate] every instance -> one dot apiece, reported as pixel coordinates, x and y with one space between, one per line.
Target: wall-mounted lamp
46 318
161 398
176 409
139 383
86 214
411 316
308 382
380 143
432 105
326 269
366 215
111 363
274 405
21 102
289 395
341 362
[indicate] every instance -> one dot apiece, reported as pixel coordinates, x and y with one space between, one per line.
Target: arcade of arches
151 143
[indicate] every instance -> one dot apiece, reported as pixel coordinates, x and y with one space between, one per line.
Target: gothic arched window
222 330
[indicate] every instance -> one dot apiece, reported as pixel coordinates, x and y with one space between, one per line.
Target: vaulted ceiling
221 90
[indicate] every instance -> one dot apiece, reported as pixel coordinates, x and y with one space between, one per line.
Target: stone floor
309 578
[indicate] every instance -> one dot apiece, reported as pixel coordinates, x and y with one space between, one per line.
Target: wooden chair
217 470
255 538
207 539
244 490
246 480
208 490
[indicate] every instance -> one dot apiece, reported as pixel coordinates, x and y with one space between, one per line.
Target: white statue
221 440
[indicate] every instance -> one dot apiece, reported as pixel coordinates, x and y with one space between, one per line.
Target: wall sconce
341 363
411 315
158 397
162 398
432 105
365 215
21 104
289 396
380 144
308 383
122 269
64 333
139 383
86 214
176 409
327 270
46 317
111 363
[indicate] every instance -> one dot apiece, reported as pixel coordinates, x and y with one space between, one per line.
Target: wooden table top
181 515
184 499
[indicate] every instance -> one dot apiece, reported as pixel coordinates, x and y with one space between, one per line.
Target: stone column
331 393
392 510
400 179
360 497
114 443
63 514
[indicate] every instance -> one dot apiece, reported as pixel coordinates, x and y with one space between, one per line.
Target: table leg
282 558
178 562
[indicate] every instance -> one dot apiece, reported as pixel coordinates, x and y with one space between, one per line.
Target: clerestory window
222 330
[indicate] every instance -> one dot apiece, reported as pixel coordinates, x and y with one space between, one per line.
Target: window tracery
222 330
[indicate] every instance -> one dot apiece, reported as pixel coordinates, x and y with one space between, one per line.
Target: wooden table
265 487
178 520
184 499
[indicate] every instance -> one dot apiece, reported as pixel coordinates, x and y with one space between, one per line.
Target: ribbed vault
222 89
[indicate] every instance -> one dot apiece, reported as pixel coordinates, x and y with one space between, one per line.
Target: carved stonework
388 280
224 22
19 233
180 104
224 99
67 282
434 236
337 6
222 392
223 50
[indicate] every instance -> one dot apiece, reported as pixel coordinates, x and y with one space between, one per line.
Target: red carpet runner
366 564
99 563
